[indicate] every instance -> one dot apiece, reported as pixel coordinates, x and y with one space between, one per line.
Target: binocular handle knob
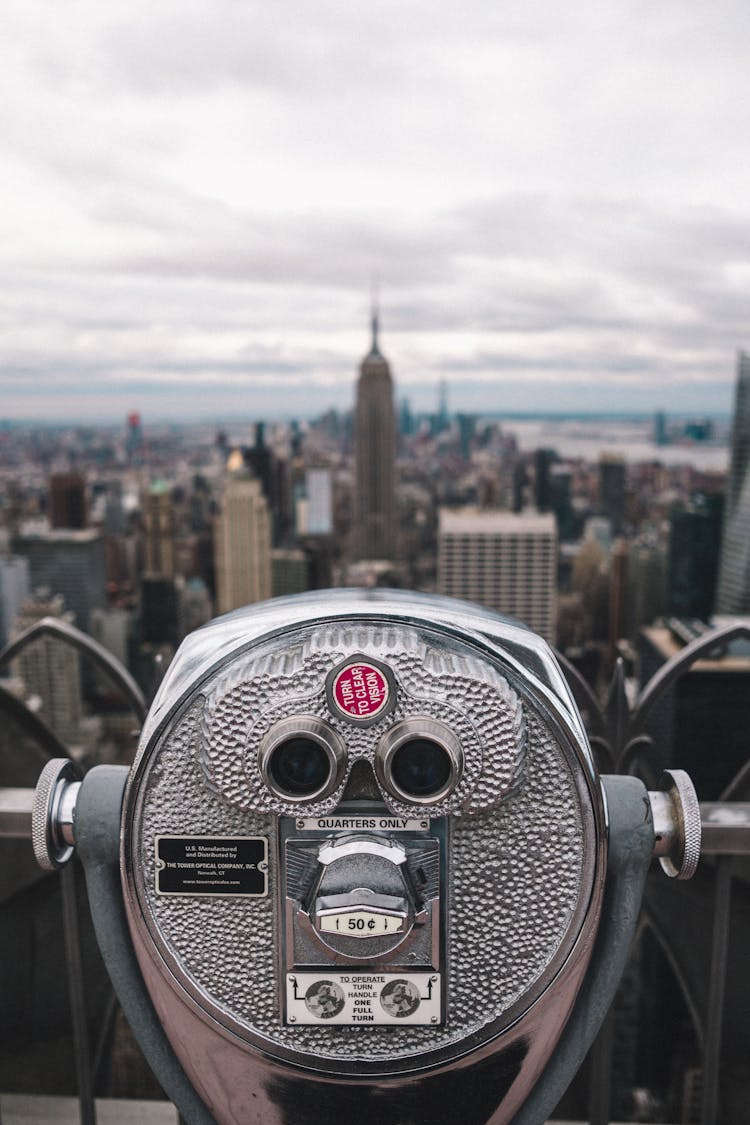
52 813
677 825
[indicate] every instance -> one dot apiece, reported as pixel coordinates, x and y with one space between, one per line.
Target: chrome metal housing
515 962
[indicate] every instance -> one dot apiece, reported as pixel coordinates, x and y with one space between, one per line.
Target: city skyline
552 203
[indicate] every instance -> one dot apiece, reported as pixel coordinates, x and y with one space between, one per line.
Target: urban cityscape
138 535
619 540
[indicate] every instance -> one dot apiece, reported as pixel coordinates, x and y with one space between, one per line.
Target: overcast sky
554 201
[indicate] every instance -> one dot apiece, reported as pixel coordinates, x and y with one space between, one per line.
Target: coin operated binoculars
363 867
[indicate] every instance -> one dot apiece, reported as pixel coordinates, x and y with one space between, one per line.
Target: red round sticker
360 690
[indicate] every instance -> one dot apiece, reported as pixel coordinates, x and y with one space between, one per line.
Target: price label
361 923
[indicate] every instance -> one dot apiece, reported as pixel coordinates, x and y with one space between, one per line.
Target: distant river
630 439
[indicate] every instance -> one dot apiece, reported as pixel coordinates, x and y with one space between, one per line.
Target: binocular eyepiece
364 854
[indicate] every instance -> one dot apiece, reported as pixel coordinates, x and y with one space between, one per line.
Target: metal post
77 996
600 1081
105 1035
15 813
716 988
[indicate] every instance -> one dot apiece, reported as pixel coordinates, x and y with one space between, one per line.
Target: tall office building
272 471
661 435
70 563
647 581
161 607
561 501
50 669
67 501
319 490
15 587
375 457
290 572
313 503
242 543
442 418
159 530
733 587
544 459
694 537
115 521
133 435
612 490
618 591
503 560
112 627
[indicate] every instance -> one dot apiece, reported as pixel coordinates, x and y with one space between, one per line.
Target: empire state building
375 457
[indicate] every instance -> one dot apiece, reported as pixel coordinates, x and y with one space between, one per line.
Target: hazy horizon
510 402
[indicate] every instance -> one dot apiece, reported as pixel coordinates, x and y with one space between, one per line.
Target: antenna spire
375 348
374 317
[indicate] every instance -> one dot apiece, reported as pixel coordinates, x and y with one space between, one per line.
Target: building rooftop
40 529
735 659
479 521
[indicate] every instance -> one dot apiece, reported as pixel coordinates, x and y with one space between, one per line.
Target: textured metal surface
519 884
257 692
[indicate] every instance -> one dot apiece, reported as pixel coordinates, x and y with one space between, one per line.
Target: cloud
202 192
575 289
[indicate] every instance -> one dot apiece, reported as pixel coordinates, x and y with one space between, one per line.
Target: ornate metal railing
618 732
15 812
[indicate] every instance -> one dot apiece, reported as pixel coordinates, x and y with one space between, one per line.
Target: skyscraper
70 563
543 462
273 473
375 457
733 589
50 670
159 530
242 539
612 490
694 537
67 501
290 572
15 587
317 508
503 560
133 435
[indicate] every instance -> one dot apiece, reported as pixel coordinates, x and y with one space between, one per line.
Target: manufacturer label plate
212 865
363 998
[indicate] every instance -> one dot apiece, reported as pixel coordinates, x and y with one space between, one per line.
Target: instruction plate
362 999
